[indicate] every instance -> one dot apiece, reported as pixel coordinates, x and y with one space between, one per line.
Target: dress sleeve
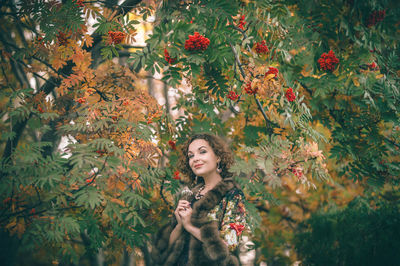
234 221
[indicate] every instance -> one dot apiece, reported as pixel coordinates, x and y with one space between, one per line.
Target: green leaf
89 197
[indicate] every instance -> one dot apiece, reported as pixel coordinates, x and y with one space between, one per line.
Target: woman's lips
198 165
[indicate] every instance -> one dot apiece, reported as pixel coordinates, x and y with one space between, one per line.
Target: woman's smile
197 166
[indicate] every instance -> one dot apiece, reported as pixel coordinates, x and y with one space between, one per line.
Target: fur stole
212 250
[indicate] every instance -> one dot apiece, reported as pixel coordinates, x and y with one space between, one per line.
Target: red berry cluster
196 42
172 144
232 95
290 96
375 17
79 3
272 70
39 39
261 47
116 37
176 175
168 58
242 22
249 90
81 100
373 66
90 180
62 38
101 152
297 172
328 61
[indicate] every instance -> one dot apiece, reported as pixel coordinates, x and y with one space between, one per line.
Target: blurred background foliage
97 96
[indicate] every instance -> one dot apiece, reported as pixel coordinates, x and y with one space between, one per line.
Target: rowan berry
168 57
242 22
197 42
290 96
172 144
375 17
250 90
116 37
328 61
272 70
232 95
176 175
261 47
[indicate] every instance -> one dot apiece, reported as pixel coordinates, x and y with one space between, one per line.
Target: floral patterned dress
231 215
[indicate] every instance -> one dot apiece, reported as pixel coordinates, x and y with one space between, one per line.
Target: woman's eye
203 151
190 156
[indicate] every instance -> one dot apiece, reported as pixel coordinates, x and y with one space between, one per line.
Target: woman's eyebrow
198 149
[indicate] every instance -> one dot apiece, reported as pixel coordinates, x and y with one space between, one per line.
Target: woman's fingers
184 202
185 210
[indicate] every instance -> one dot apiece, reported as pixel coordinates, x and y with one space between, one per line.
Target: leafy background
93 113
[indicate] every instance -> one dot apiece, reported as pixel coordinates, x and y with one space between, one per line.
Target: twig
163 197
306 88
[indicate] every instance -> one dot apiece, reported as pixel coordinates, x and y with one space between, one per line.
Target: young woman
207 228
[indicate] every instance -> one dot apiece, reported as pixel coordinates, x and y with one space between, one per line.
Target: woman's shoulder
234 193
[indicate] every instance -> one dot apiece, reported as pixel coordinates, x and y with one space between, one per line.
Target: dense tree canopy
306 92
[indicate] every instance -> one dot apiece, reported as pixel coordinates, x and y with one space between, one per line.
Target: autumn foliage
94 114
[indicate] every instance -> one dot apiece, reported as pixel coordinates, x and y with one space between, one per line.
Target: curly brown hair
220 148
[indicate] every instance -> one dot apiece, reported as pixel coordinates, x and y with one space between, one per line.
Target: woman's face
202 158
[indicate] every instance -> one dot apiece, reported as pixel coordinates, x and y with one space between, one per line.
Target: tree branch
259 105
163 197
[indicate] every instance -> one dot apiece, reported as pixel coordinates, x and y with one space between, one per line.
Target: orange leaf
88 40
77 57
57 63
121 185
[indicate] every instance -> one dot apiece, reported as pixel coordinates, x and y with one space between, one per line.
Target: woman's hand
182 206
185 215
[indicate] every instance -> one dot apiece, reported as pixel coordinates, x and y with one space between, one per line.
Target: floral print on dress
231 213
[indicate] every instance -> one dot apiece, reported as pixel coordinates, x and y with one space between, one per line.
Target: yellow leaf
379 76
277 130
356 82
93 98
336 72
304 71
20 228
269 77
118 201
12 223
318 77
